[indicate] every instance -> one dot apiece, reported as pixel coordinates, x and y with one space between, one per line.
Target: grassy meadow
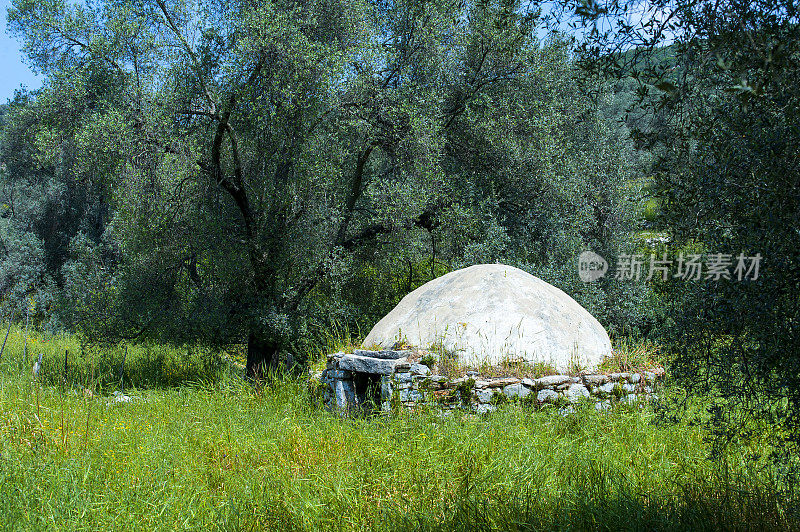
204 450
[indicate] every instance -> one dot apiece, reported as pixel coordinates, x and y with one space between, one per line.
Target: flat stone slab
500 383
596 380
375 366
388 354
552 380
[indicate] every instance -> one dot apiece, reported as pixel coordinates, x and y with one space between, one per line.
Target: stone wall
387 379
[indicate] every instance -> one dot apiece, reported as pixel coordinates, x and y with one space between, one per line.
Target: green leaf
666 86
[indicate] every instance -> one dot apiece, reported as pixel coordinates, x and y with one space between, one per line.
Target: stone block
420 369
374 366
516 390
607 388
576 392
484 395
344 394
552 380
386 388
501 383
411 395
546 396
402 377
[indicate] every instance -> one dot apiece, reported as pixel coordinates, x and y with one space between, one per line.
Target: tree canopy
227 169
717 106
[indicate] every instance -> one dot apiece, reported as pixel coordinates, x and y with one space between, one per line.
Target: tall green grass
199 448
233 457
146 365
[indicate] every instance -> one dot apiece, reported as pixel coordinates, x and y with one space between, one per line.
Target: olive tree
255 147
718 107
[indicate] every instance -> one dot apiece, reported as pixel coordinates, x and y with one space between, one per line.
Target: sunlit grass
629 355
101 368
225 455
231 457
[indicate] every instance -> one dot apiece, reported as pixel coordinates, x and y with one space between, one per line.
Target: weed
428 360
633 356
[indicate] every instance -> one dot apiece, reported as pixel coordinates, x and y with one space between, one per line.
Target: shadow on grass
595 507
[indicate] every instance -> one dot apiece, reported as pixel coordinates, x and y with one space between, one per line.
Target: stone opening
367 387
358 382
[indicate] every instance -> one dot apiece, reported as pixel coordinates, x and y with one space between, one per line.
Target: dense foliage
719 109
226 171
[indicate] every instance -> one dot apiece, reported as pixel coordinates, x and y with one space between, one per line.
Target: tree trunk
262 355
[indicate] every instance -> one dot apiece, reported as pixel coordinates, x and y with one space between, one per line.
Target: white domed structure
491 312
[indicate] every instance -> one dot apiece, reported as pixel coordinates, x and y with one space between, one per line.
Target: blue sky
13 71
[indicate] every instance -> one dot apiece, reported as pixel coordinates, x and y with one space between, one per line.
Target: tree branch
192 55
426 220
355 192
